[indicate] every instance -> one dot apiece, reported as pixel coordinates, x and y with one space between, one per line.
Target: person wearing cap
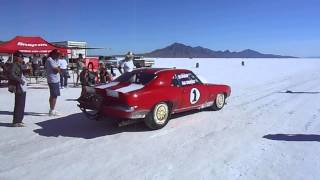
53 79
126 65
17 85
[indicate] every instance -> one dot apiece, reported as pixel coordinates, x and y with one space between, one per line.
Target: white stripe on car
131 87
107 85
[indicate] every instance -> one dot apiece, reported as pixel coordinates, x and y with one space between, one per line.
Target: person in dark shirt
17 85
83 76
80 65
104 75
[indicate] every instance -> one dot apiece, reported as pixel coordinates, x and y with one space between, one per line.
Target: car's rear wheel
158 117
219 102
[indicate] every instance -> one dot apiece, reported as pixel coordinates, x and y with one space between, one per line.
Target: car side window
186 79
175 81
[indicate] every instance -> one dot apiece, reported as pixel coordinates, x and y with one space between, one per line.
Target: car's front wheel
158 117
218 102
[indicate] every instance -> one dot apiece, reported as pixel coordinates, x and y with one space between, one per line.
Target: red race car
153 94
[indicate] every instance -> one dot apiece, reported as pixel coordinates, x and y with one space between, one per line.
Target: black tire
158 117
218 102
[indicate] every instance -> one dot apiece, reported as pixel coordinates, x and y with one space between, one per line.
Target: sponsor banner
35 51
31 44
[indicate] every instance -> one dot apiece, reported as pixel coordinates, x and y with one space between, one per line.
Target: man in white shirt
126 65
53 78
63 72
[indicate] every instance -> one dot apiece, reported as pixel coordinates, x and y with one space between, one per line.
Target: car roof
160 70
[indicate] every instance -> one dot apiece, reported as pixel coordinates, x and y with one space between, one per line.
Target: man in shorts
53 79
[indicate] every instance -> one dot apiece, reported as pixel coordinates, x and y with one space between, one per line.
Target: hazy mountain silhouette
178 50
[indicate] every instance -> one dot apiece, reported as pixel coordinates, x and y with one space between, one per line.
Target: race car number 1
194 95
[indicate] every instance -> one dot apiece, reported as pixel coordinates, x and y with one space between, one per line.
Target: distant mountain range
178 50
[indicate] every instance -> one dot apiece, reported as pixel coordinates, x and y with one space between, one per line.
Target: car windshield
135 77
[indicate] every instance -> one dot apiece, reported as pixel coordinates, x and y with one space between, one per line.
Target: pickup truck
140 62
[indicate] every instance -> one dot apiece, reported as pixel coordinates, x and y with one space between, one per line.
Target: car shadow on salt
186 113
79 126
293 137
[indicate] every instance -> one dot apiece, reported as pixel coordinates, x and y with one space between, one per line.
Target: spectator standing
35 61
92 75
1 70
24 67
126 65
104 75
53 78
80 65
17 85
43 60
7 66
63 72
84 80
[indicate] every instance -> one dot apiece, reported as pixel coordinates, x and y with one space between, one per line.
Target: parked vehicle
140 62
110 62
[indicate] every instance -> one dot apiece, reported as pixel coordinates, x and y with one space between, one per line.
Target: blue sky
288 27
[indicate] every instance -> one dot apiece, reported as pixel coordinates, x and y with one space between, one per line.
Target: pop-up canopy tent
30 45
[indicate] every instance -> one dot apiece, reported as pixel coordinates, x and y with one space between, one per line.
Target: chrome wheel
161 112
220 100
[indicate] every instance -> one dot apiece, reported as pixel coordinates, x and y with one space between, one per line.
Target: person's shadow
25 113
5 124
293 137
79 126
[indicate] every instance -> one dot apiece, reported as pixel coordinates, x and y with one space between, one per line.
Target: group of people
32 67
4 67
57 74
89 77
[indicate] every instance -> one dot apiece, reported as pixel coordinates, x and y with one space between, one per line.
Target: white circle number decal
194 95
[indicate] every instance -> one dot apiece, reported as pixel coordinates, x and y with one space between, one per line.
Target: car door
193 91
